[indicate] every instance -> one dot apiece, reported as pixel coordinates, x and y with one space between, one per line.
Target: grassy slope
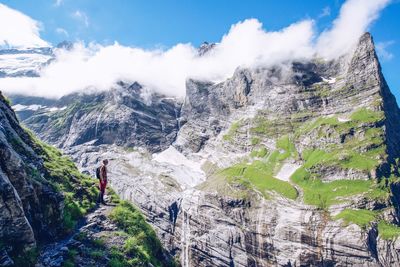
388 231
142 245
346 155
364 152
258 174
361 217
80 192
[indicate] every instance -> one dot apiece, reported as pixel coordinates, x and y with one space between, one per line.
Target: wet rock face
30 209
125 116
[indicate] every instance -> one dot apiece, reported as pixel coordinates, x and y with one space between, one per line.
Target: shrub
388 231
360 217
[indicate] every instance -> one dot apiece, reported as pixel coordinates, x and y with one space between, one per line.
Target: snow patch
18 64
286 171
52 109
329 80
187 172
343 119
20 107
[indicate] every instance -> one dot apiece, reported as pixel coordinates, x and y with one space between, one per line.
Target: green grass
313 157
98 242
61 119
356 161
80 194
7 100
325 194
363 152
117 258
315 124
367 116
255 141
348 155
142 246
260 153
361 217
388 231
26 258
284 143
80 191
96 254
322 90
261 127
70 260
232 131
259 176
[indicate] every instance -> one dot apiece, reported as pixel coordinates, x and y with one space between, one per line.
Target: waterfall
97 122
248 143
259 229
177 119
185 239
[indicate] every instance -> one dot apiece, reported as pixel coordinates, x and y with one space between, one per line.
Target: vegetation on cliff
141 245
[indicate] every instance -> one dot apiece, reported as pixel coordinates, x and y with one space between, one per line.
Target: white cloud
247 44
381 50
82 17
18 30
100 67
354 19
58 3
326 12
62 31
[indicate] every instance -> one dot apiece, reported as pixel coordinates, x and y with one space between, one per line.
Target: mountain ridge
283 167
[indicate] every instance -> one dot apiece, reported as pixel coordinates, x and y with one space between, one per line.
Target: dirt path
88 245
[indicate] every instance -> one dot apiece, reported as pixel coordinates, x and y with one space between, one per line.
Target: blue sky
163 23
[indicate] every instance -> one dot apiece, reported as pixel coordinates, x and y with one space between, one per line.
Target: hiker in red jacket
102 175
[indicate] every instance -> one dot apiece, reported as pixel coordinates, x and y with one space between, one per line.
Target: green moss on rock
361 217
142 246
388 231
232 131
258 176
324 194
80 191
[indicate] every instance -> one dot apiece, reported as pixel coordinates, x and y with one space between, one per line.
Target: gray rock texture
124 116
31 210
232 179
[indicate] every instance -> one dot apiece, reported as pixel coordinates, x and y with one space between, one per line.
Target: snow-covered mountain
24 62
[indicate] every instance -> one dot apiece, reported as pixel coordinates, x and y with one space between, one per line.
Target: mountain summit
291 165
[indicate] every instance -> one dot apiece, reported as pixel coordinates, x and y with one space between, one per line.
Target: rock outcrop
125 116
42 206
31 210
284 166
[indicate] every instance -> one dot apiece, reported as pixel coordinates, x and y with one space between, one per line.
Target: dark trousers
103 185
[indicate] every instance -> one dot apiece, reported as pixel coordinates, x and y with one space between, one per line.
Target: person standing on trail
101 173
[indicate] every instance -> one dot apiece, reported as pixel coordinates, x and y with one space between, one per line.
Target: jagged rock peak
205 48
65 45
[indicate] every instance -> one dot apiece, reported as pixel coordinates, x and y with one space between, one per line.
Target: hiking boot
100 198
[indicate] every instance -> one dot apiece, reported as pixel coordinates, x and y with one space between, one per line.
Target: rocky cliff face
287 166
31 210
124 116
43 203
